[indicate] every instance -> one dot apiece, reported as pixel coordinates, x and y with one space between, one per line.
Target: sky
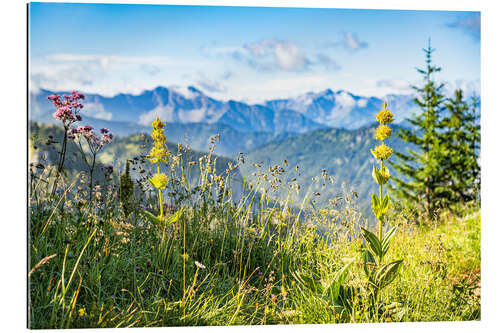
249 54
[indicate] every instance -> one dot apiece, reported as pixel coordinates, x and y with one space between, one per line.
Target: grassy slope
442 269
133 276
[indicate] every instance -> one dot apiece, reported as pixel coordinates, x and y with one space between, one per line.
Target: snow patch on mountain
344 101
186 92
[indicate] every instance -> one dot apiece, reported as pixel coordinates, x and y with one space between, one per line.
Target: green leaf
376 175
386 240
375 204
373 243
152 217
338 280
175 217
369 262
387 273
385 202
162 221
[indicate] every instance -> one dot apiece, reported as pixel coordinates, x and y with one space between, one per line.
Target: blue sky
243 53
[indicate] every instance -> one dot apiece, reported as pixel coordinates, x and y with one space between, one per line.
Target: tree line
441 168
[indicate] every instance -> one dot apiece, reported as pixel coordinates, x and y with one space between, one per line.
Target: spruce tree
474 130
421 177
126 190
461 143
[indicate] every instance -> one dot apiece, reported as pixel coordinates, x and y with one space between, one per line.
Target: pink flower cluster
95 142
67 107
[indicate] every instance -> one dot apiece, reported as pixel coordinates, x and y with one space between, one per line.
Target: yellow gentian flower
385 116
382 152
157 124
159 181
383 132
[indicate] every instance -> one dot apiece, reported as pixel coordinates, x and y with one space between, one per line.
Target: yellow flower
383 132
157 124
159 181
382 152
385 116
81 312
283 291
158 153
158 136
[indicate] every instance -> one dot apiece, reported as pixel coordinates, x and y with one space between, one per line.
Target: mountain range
192 117
310 111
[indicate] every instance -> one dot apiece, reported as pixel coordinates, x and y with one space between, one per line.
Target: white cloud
351 42
394 84
211 86
271 54
469 88
96 110
362 103
103 74
284 87
163 112
327 61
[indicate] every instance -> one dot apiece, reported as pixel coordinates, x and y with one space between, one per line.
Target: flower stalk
158 154
382 175
380 274
67 111
94 145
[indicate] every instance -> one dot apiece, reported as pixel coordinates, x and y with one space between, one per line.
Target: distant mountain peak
188 104
194 90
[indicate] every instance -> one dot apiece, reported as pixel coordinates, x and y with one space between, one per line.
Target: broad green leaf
386 240
306 280
338 281
373 243
385 202
330 285
387 273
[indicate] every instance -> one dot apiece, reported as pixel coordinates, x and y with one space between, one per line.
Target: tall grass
226 259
